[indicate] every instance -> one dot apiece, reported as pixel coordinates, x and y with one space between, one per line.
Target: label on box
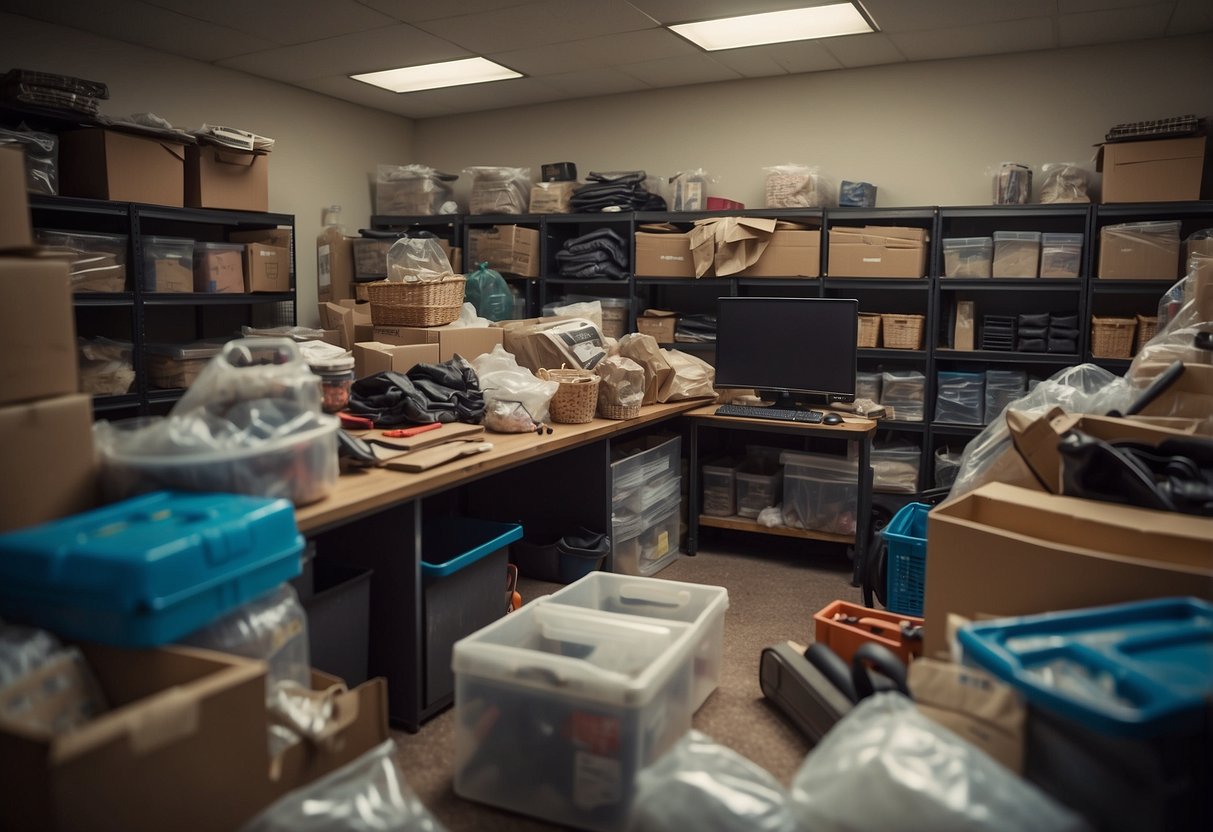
324 269
663 543
597 781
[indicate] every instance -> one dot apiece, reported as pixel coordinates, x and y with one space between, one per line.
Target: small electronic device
832 419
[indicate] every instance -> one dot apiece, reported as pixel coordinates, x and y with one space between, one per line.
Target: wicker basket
1112 337
618 411
869 329
902 332
576 398
432 303
1147 328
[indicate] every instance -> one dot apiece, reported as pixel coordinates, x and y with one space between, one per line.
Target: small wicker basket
902 332
422 303
869 329
618 411
1147 328
576 399
1112 337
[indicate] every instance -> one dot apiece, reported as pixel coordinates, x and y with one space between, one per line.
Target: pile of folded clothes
616 191
600 253
55 92
1048 332
696 329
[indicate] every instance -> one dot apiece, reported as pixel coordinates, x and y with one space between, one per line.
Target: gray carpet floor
775 585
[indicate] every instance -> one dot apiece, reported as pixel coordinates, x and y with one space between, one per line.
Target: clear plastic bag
488 292
507 386
689 190
499 190
23 650
367 795
700 784
413 259
413 190
591 310
41 158
887 766
1063 182
1012 184
797 186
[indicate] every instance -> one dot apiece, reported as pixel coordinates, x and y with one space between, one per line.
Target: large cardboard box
506 248
267 268
372 357
1164 170
1003 550
468 342
335 268
107 164
15 229
658 323
664 255
38 338
349 317
1133 255
222 177
788 254
46 460
877 251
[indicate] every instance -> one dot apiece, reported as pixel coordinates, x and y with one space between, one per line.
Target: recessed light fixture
435 76
776 27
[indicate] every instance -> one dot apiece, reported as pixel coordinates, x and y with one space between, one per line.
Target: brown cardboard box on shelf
513 249
100 163
222 177
280 237
168 276
664 255
350 318
552 197
15 228
219 268
469 342
38 339
963 334
1128 254
659 323
725 246
267 268
371 357
1162 170
46 459
789 253
1003 550
877 251
335 269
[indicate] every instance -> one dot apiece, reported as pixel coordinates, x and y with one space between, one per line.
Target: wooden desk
374 518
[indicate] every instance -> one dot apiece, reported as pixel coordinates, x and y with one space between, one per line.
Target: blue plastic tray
148 570
1135 670
448 544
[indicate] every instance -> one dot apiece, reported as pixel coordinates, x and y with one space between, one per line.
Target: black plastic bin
338 603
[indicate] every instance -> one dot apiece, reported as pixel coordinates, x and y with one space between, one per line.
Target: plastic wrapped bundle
499 190
895 467
41 158
796 186
413 190
1002 388
1012 184
960 398
1063 182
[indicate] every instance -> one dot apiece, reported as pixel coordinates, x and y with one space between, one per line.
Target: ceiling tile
134 22
1077 6
863 50
675 72
644 45
283 21
751 62
591 82
516 92
1113 25
415 11
983 39
899 16
386 48
687 11
347 89
538 24
1191 16
803 56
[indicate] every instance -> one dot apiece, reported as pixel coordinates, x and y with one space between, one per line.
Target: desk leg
692 541
863 522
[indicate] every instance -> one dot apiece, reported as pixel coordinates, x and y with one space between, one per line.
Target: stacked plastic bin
961 398
646 503
820 492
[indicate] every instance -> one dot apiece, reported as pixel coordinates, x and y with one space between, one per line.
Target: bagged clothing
692 377
446 392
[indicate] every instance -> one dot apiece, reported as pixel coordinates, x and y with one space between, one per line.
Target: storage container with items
968 256
107 367
1060 255
170 366
960 398
903 393
646 501
820 492
219 268
895 466
1002 388
168 264
720 487
98 260
759 485
1016 254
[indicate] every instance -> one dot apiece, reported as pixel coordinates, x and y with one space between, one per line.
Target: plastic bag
367 795
507 386
1199 244
421 258
797 186
488 292
622 387
885 764
1063 182
499 190
41 158
1012 184
44 686
591 310
106 367
700 784
413 190
689 190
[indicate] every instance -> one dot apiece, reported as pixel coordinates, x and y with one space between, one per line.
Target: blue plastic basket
906 543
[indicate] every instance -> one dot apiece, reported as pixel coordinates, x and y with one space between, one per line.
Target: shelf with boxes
151 278
511 244
587 257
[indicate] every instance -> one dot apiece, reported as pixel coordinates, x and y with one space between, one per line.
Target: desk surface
364 492
850 423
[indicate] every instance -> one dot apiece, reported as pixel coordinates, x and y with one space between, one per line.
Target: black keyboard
812 417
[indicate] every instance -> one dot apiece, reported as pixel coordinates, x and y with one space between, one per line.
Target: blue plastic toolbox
906 542
148 570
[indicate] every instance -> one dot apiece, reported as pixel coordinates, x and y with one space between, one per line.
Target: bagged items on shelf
692 377
643 349
615 191
621 391
856 194
895 466
1002 388
903 393
1198 244
499 190
1012 184
488 292
41 158
960 398
552 197
689 190
106 367
1063 182
515 400
44 686
796 186
413 190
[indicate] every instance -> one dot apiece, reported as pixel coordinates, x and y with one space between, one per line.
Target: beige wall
326 149
924 133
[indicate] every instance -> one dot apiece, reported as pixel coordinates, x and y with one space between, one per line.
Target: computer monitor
801 349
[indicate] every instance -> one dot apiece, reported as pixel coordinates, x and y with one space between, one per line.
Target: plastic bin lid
448 544
1143 669
1057 239
827 462
169 241
1006 236
1169 227
218 246
333 365
182 352
49 234
967 242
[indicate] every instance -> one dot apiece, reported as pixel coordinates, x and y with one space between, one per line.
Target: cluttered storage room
646 416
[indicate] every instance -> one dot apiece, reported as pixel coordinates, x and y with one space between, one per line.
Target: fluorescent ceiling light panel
434 76
775 27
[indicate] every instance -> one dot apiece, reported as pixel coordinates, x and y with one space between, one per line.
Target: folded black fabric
51 80
1040 319
1057 332
1033 332
1064 321
596 270
446 392
1063 345
1031 345
622 190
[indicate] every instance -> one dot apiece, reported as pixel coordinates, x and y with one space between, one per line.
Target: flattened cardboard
468 342
1163 170
1129 255
15 228
974 704
664 255
38 339
47 460
789 253
1002 550
267 268
220 177
372 357
98 163
513 249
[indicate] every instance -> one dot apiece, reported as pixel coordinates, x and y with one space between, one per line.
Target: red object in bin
879 626
719 203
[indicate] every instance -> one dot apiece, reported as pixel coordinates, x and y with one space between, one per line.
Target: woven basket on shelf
902 332
618 411
1147 328
1112 337
576 398
869 329
432 303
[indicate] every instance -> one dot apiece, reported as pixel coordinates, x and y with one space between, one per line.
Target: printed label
663 543
324 274
871 259
597 781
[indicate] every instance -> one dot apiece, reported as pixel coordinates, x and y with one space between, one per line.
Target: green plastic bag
489 293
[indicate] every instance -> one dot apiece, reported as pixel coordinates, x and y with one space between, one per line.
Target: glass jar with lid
336 377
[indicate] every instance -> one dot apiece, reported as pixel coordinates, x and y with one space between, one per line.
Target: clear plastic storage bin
967 256
639 463
1016 254
895 467
1002 388
720 488
170 366
557 709
168 264
904 393
1060 255
759 484
98 260
219 268
960 398
820 492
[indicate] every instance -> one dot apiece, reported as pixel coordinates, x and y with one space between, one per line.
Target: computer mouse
832 419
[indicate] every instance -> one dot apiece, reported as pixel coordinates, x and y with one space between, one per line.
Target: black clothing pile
446 392
695 329
1047 332
616 191
54 92
600 253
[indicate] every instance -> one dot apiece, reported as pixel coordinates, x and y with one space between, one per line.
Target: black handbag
1177 475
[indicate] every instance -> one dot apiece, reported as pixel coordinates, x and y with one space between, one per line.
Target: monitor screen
800 346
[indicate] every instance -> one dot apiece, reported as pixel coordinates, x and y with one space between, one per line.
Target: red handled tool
401 433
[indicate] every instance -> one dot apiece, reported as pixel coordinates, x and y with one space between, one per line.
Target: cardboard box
506 248
38 339
552 197
1132 255
1164 170
468 342
219 268
658 323
107 164
788 254
963 334
350 318
222 177
267 268
372 357
168 276
1189 397
335 268
877 251
974 704
664 255
46 459
1003 550
15 228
